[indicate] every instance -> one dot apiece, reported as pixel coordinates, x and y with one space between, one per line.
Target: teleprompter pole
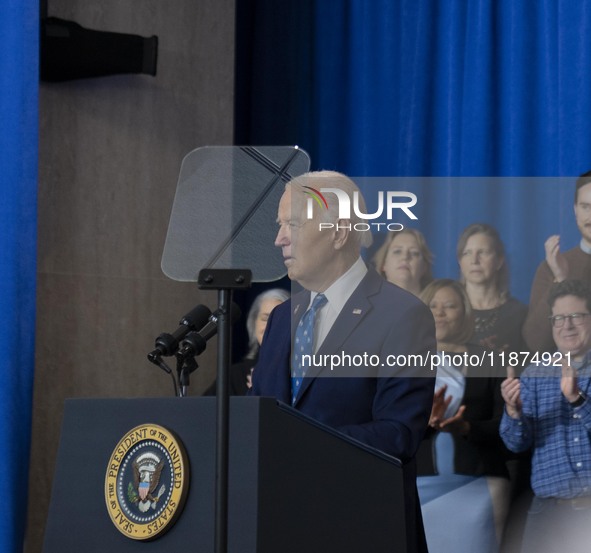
225 281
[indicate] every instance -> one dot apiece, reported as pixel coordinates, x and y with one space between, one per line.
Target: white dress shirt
337 295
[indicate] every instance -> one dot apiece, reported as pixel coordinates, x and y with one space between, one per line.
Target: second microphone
195 342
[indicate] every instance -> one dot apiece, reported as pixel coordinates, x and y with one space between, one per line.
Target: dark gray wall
110 153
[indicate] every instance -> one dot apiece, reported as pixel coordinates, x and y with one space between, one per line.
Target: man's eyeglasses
576 318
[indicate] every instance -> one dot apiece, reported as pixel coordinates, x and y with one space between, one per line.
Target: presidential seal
146 482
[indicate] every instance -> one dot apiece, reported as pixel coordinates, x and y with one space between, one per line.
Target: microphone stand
184 368
157 360
225 281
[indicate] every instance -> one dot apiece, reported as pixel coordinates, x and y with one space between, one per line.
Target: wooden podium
295 486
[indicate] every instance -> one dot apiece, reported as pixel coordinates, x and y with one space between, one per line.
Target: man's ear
342 233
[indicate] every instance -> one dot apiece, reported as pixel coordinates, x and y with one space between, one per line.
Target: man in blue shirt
547 410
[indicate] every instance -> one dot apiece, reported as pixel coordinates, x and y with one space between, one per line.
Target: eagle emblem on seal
146 477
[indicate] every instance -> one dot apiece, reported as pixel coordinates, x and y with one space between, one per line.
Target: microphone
167 344
195 342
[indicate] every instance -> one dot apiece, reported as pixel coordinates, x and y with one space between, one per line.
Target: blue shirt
559 434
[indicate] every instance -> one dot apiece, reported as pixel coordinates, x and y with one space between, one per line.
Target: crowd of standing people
496 478
504 464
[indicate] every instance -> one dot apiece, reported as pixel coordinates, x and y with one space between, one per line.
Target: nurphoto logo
389 202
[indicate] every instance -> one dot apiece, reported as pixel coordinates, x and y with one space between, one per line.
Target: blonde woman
405 259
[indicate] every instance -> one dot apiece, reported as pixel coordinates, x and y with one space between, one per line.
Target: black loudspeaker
69 51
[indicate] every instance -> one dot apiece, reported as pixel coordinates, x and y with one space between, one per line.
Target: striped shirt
559 434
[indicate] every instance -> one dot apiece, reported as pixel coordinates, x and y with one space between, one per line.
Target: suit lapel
354 311
352 314
299 305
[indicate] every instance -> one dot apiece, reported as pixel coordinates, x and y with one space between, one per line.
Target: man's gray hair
334 179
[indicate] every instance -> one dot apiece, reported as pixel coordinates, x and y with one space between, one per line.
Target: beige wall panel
110 154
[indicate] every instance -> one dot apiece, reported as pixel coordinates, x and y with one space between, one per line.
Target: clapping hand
511 392
455 424
568 383
555 259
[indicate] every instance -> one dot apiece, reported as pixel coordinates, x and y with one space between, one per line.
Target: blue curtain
19 45
444 88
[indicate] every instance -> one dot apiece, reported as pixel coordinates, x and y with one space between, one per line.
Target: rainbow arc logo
317 196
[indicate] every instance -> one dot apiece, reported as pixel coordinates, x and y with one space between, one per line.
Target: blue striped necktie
304 345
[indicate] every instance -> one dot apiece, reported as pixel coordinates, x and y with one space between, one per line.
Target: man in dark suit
360 317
